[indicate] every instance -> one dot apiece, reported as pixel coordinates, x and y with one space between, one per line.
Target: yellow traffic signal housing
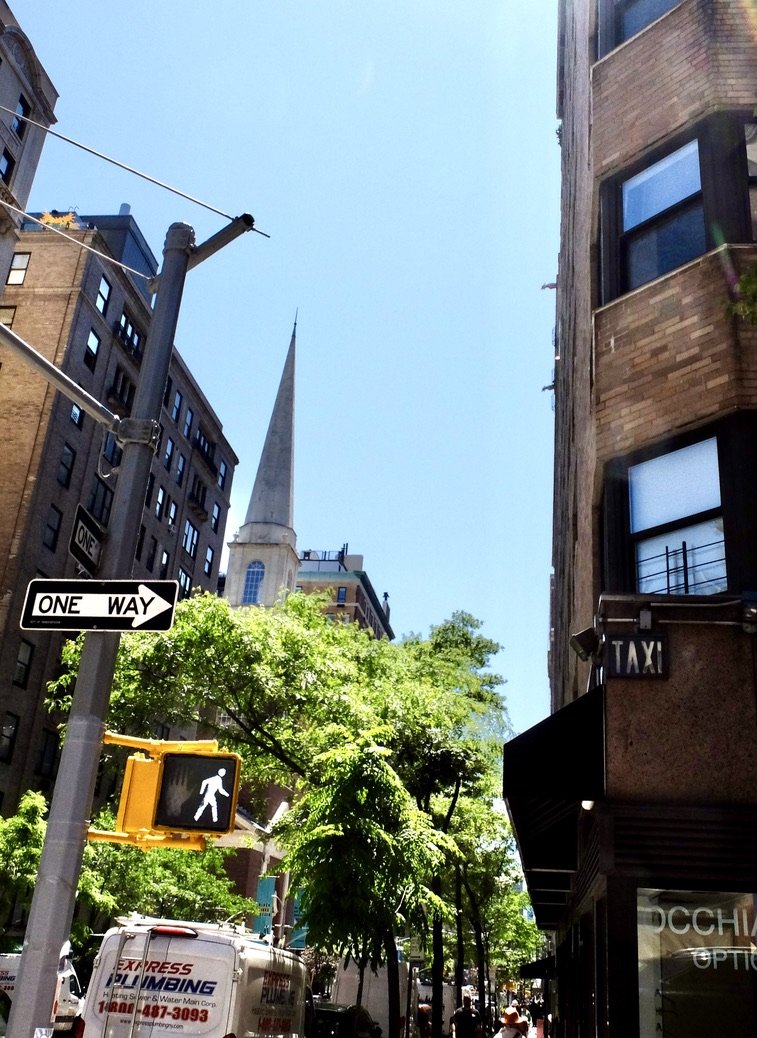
177 796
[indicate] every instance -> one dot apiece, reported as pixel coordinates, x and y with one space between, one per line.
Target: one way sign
99 605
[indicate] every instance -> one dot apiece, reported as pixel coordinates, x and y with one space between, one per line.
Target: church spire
272 499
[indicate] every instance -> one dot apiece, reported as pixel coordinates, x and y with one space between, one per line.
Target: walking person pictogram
209 789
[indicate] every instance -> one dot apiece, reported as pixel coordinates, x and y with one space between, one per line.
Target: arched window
253 581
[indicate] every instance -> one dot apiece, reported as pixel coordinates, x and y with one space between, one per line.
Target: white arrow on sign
142 607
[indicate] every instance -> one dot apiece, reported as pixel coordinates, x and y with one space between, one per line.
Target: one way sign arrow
99 605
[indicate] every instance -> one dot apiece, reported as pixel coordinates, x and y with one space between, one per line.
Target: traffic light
188 789
197 793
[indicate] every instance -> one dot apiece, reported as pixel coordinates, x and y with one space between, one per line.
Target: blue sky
402 156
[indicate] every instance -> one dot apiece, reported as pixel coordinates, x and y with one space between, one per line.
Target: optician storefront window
696 951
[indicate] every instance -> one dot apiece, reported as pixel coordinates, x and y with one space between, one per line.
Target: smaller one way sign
99 605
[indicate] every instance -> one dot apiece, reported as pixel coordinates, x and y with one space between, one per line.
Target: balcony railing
690 569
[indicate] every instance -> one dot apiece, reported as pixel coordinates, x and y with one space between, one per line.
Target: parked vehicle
375 993
334 1021
155 978
68 994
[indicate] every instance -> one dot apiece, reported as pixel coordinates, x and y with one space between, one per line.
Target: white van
155 978
67 997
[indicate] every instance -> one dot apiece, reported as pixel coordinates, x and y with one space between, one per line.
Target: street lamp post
54 897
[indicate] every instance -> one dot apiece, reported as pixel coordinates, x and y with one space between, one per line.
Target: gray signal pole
54 897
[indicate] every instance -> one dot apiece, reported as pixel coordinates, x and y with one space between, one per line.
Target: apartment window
208 565
189 539
123 389
185 583
188 419
8 734
100 501
181 465
160 500
7 315
341 595
23 664
215 517
165 558
140 543
103 295
199 492
663 217
130 334
171 514
619 20
150 560
7 165
111 451
52 528
176 409
23 111
77 415
222 474
676 522
253 581
168 456
19 267
93 346
66 465
47 760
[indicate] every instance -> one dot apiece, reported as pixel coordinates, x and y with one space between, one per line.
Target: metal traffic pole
53 903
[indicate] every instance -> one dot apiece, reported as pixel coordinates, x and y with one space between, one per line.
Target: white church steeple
263 557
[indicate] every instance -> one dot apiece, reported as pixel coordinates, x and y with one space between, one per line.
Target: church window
253 581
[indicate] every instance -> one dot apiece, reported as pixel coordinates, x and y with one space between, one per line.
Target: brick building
353 598
90 317
634 803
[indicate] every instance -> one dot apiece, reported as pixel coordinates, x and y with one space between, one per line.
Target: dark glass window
208 566
165 559
181 465
253 582
176 409
23 111
189 539
23 664
7 165
7 315
52 528
47 761
168 456
215 517
222 474
100 501
8 734
77 415
188 419
150 560
111 451
185 583
66 465
93 347
103 295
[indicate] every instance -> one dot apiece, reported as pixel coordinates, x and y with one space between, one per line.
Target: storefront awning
543 968
546 773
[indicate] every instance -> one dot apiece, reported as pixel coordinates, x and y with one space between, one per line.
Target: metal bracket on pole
138 430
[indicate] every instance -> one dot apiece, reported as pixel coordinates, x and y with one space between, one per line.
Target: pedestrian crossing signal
197 793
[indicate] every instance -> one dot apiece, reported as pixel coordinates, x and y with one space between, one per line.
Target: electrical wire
115 162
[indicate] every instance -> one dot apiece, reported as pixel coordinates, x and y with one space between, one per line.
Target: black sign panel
636 656
99 605
198 792
86 540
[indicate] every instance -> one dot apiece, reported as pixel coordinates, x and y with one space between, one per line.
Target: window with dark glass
47 760
91 351
52 528
168 456
176 408
23 664
160 501
208 565
103 295
215 517
663 217
150 560
123 389
130 334
77 415
111 451
23 111
66 465
100 501
185 583
222 474
19 267
171 514
7 165
7 315
165 558
341 595
189 538
188 419
619 20
8 734
181 465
